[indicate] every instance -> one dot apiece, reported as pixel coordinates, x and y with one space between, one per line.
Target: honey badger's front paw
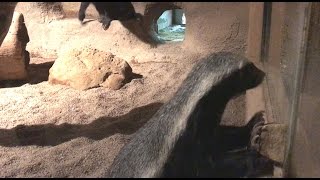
105 21
81 17
256 125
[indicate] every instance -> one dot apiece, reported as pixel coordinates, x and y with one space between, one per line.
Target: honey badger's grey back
150 147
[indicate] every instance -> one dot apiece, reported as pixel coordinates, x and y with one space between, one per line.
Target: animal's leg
82 11
104 20
231 138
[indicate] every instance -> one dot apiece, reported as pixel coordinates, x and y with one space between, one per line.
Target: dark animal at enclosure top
109 11
185 139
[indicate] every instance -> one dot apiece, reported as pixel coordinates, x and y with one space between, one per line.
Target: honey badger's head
247 77
250 76
239 74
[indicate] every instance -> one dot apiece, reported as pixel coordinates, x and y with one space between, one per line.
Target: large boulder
14 58
86 67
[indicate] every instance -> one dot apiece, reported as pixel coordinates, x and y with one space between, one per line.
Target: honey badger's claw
264 128
258 125
105 27
256 131
255 142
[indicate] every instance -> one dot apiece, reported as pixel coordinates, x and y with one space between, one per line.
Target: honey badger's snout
252 76
258 74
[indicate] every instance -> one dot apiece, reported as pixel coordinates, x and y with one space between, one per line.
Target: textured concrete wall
216 26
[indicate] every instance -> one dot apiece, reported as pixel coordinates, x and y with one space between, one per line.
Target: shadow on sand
103 127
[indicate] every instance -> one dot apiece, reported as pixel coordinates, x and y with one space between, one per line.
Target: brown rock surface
86 67
6 13
273 141
14 58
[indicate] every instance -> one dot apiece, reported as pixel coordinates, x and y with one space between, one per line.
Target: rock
14 58
6 14
273 142
86 67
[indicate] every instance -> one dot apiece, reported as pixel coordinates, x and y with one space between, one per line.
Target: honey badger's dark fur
183 139
109 11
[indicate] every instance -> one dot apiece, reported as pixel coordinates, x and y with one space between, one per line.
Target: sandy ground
56 131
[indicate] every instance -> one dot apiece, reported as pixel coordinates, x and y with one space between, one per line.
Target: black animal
109 11
184 138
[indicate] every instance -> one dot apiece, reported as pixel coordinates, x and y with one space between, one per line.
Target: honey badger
184 138
109 11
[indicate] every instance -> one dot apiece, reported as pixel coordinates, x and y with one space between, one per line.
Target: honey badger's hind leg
242 163
82 11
